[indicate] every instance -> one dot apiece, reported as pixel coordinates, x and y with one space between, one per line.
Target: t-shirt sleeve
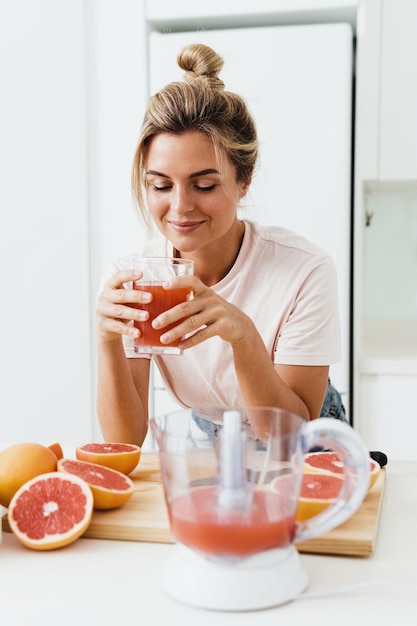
311 333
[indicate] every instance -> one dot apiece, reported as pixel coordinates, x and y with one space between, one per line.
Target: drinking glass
157 270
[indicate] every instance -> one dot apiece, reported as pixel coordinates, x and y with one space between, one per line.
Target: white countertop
95 581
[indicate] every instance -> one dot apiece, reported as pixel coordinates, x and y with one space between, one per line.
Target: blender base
257 582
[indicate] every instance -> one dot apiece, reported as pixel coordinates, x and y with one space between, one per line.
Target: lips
185 227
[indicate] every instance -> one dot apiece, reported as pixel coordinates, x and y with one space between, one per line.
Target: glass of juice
157 270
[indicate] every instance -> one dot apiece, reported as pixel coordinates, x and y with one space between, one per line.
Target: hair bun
201 63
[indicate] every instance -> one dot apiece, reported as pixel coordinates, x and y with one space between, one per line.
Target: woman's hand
203 316
115 309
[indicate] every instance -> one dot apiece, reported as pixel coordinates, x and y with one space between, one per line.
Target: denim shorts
333 405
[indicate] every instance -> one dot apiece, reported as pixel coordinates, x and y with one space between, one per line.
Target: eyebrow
193 175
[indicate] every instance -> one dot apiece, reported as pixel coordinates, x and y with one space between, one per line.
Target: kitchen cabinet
386 93
387 367
398 91
184 15
385 225
387 415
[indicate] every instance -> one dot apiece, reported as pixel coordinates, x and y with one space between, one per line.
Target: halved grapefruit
110 488
122 457
329 463
318 491
51 511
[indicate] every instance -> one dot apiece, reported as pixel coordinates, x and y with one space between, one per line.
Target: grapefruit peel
56 449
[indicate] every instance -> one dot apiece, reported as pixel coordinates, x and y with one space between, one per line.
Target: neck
212 263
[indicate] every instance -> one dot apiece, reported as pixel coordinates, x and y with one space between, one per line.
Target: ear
244 187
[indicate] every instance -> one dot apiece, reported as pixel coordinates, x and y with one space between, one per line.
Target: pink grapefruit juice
163 299
200 523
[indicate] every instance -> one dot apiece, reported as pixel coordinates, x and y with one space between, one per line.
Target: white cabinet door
45 316
297 81
387 414
398 126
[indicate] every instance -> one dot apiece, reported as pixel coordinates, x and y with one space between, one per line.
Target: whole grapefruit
50 511
19 463
122 457
110 488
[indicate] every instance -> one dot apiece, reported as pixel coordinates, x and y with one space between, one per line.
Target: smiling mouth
185 226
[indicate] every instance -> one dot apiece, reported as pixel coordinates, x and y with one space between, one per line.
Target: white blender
231 481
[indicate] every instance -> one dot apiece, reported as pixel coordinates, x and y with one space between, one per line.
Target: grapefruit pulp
110 488
329 462
21 462
318 491
122 457
51 511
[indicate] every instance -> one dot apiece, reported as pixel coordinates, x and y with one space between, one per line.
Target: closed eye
197 187
209 188
161 187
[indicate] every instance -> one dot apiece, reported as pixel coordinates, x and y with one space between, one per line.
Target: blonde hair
201 104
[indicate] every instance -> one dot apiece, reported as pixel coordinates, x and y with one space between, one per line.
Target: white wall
73 93
117 91
45 318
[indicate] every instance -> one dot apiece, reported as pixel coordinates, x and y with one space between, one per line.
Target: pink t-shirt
288 287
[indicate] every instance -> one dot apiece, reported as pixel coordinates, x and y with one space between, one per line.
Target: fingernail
146 296
156 323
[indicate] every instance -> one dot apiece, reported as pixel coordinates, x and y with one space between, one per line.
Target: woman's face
191 201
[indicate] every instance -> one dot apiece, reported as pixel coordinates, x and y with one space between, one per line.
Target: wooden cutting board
144 517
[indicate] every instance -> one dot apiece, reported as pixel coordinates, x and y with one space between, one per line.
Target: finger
194 339
180 312
122 277
108 327
191 281
116 311
131 296
188 325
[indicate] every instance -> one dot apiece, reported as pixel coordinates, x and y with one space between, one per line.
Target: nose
181 200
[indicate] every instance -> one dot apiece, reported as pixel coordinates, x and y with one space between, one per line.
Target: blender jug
231 481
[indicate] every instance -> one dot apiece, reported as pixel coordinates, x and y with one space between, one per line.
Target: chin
184 243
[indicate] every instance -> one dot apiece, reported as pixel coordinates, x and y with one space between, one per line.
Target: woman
262 327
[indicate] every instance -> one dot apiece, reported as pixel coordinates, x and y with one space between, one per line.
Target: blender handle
343 440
